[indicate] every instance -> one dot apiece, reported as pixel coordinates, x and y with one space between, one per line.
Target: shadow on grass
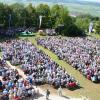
27 35
65 97
75 88
38 96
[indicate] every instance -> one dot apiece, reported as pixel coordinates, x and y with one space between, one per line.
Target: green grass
89 89
96 35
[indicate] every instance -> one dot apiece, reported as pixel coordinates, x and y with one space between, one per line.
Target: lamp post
9 21
40 21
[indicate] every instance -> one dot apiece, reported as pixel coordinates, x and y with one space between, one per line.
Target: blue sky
92 0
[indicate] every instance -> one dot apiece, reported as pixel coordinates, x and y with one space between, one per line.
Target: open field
88 89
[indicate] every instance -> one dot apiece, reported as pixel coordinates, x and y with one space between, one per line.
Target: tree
97 27
60 16
5 11
2 21
31 16
18 15
44 10
82 23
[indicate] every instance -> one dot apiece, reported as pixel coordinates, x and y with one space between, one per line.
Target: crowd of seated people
20 29
82 53
8 32
2 31
13 86
31 29
12 31
36 65
50 32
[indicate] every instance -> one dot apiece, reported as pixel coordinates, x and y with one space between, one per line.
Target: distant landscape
75 7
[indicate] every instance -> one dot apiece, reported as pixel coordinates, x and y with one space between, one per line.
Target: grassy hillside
83 9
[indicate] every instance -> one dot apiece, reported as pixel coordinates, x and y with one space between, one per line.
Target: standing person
37 91
47 94
60 91
0 85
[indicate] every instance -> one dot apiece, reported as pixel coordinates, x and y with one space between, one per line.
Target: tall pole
9 20
40 21
90 28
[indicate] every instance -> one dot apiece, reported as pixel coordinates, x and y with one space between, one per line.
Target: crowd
81 53
50 32
13 31
36 65
13 86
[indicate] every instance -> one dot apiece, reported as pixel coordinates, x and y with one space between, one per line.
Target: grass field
96 36
88 89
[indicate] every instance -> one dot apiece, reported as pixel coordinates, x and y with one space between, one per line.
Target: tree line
57 15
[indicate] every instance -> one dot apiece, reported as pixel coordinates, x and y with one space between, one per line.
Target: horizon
95 1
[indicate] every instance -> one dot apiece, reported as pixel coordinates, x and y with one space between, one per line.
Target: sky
92 0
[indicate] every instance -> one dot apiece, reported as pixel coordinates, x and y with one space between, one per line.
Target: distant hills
75 7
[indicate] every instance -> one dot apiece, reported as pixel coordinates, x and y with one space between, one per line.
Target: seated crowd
12 31
82 53
50 32
36 65
12 85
